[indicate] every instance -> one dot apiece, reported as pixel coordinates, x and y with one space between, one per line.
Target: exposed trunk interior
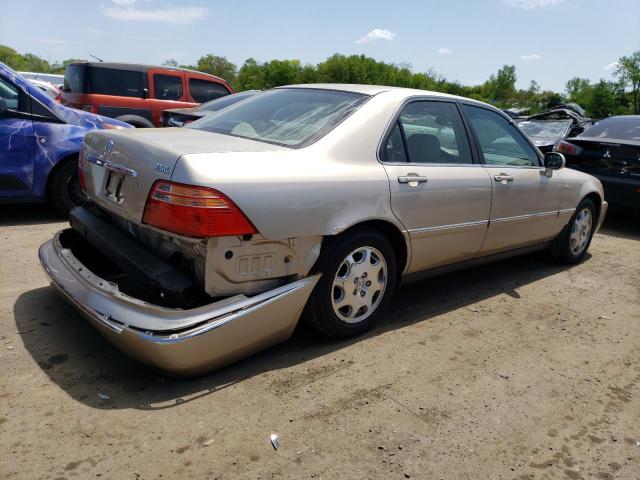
118 258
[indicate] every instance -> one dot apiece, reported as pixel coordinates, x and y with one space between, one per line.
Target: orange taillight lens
194 211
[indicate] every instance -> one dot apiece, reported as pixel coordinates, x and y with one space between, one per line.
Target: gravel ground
516 370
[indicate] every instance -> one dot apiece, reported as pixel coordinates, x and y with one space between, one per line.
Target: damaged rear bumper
179 342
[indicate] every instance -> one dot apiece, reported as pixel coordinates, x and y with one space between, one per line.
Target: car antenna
99 59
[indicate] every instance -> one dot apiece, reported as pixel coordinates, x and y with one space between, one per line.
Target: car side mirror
554 161
145 93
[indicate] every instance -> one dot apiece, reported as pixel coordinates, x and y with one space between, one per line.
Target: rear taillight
567 148
194 211
83 181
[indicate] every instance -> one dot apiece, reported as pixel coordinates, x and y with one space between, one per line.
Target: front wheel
359 274
578 233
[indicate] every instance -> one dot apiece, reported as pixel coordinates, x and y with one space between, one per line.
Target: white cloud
531 4
533 56
444 51
182 15
377 34
611 66
124 3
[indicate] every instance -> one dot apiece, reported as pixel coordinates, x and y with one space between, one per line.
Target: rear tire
64 187
359 276
576 237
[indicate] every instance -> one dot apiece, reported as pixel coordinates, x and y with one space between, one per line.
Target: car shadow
28 214
91 371
622 223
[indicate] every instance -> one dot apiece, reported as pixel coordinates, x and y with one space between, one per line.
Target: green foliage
599 99
628 72
218 66
501 87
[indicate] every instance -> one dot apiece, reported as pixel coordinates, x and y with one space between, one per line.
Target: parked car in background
610 151
178 117
574 107
39 144
137 94
516 113
206 243
546 129
49 89
52 78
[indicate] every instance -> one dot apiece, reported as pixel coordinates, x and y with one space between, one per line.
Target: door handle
503 178
412 178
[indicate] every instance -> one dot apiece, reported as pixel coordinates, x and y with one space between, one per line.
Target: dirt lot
520 369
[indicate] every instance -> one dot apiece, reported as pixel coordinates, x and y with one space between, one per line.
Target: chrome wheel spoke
359 284
581 231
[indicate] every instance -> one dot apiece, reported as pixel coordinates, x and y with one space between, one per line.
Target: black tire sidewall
567 255
59 185
319 311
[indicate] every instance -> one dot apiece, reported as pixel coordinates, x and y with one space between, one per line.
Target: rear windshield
623 128
104 81
224 102
291 117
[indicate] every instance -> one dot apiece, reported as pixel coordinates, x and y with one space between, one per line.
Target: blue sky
549 41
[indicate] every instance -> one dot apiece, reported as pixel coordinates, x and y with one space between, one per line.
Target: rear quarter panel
322 189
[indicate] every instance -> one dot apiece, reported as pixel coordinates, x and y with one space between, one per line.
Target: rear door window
167 87
203 90
110 81
434 133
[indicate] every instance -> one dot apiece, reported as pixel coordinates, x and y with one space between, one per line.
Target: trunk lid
610 157
120 167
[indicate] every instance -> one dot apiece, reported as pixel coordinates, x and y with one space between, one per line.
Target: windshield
291 117
545 128
226 101
623 128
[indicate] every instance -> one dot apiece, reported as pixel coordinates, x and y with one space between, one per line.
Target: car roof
372 89
139 67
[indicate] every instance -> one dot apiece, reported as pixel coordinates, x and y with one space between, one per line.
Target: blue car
39 144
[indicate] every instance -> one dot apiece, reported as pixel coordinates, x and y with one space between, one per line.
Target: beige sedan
204 244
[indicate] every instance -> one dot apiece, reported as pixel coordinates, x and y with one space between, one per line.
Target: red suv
137 94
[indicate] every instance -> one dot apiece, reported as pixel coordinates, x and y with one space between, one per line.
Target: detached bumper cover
179 342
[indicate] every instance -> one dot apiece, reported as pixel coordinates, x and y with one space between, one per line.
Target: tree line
600 99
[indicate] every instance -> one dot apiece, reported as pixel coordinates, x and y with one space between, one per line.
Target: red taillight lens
194 211
567 148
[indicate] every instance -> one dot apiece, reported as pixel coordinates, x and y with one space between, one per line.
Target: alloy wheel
581 231
359 284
